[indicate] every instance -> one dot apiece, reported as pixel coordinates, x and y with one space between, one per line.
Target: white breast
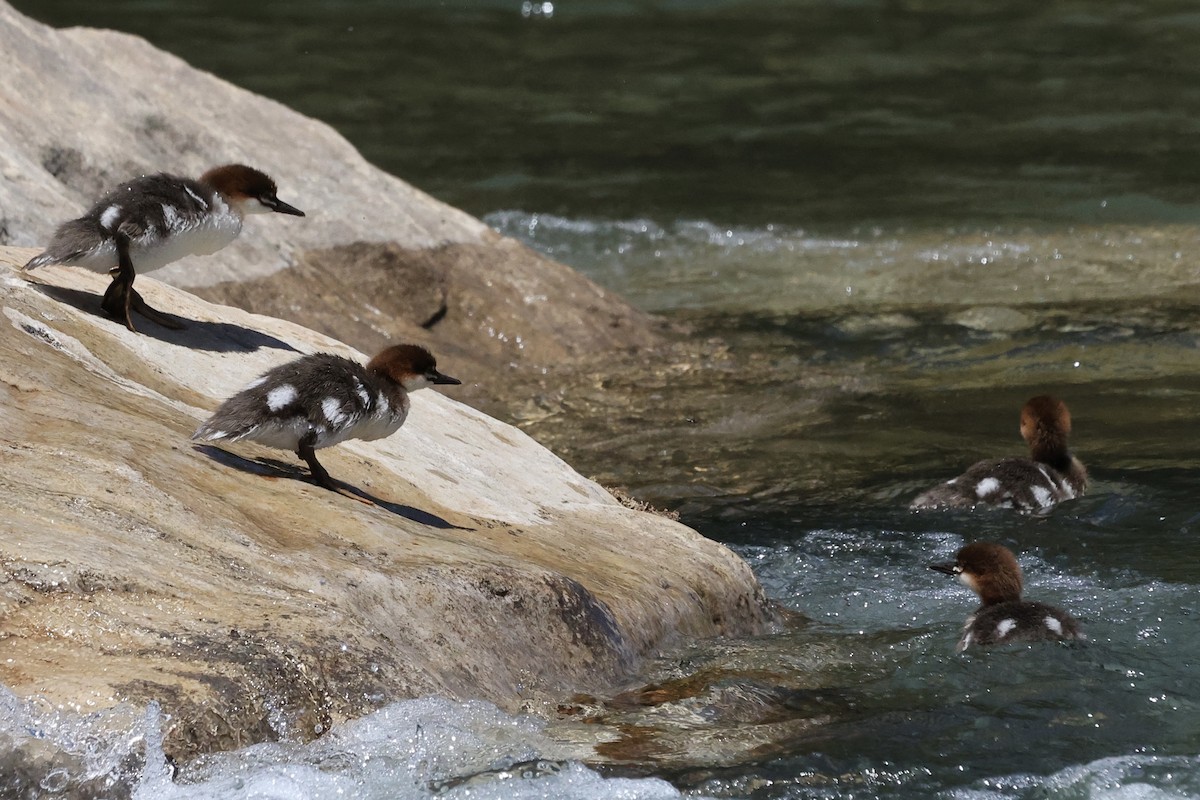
193 235
381 424
282 433
189 236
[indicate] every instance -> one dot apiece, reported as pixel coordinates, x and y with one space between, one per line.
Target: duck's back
1018 621
1020 483
165 218
331 396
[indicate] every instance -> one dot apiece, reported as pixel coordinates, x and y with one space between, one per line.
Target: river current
882 225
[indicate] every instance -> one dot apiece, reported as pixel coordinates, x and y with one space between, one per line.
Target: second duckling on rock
322 399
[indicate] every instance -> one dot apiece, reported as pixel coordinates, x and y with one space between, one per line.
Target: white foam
415 749
1140 777
692 263
412 750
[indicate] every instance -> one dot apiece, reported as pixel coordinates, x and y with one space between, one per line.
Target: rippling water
792 112
885 225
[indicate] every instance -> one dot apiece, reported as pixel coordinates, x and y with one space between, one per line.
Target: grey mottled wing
316 388
137 208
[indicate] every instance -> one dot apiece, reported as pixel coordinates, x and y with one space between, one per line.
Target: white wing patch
170 216
382 406
363 394
986 487
1054 625
1041 496
281 397
331 407
1005 627
196 197
109 218
1046 475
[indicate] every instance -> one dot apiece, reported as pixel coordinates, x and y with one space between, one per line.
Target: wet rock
998 319
135 566
502 311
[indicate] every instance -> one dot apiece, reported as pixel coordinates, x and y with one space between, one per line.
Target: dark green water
887 224
800 112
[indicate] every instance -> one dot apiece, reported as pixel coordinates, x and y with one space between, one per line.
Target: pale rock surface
254 605
85 109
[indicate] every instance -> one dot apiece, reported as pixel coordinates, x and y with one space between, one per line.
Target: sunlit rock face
255 605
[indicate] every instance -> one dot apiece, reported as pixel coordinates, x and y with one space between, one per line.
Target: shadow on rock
408 512
272 469
218 337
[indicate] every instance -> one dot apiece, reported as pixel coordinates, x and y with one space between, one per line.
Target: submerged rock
254 605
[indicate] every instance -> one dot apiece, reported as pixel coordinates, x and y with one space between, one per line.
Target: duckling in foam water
991 571
322 399
1050 474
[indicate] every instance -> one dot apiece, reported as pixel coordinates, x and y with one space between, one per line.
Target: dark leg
121 299
114 296
309 456
117 298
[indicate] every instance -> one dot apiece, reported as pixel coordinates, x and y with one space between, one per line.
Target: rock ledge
254 605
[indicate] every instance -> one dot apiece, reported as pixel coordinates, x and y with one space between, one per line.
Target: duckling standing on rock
153 220
322 399
992 572
1050 474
